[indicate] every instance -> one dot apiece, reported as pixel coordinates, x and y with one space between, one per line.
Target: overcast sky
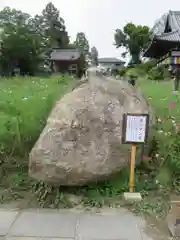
99 18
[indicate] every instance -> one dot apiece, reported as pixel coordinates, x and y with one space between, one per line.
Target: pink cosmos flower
172 105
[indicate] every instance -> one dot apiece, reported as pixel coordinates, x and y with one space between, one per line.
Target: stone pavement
70 225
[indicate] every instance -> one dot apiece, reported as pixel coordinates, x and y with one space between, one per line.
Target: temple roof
170 36
166 35
159 48
65 54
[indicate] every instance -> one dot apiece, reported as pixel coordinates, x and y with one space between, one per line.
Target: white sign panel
136 128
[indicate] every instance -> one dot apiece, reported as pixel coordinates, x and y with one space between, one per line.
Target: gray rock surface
82 139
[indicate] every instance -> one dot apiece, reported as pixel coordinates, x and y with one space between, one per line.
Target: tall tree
53 27
26 41
134 38
94 55
9 17
82 43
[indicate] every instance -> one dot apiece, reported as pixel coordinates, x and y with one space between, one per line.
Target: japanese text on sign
136 128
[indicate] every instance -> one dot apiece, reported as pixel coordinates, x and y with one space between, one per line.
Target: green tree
53 27
135 38
94 55
20 48
27 41
20 44
82 43
9 17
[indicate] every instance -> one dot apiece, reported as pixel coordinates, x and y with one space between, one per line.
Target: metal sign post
135 131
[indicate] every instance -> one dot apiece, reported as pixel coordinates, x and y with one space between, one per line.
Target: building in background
70 61
111 63
165 44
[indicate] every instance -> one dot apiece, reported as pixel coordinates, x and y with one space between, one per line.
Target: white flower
173 121
160 131
25 98
159 120
157 155
157 181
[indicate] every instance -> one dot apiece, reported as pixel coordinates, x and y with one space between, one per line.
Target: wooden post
132 168
134 131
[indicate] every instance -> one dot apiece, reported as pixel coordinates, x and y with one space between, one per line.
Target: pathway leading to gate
71 225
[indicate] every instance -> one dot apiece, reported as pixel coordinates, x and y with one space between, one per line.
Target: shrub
156 73
145 67
122 72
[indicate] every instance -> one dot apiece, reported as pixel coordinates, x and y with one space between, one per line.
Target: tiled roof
174 18
110 60
65 54
162 41
171 36
160 25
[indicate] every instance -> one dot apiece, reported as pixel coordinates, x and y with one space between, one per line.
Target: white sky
98 18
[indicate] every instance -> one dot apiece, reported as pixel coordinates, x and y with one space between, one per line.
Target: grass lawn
160 96
24 106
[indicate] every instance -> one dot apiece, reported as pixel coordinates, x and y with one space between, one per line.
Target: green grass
24 106
166 166
160 95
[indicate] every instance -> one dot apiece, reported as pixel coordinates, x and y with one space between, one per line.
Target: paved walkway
54 225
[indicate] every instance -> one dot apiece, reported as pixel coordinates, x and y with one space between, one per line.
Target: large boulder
82 140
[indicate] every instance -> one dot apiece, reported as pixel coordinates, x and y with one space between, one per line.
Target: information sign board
135 128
